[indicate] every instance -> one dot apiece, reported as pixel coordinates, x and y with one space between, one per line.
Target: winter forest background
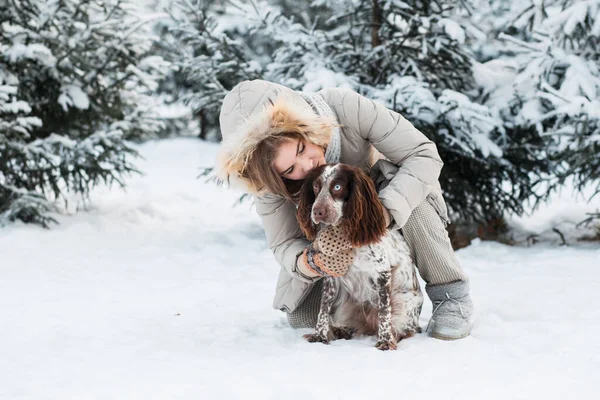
509 91
127 272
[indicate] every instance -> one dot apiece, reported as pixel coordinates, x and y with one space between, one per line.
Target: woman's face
294 159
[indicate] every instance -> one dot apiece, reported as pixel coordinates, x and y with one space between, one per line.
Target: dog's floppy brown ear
306 201
365 218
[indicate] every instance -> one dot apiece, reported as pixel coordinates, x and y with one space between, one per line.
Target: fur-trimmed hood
254 111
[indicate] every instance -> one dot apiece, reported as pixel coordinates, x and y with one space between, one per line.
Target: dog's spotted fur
322 331
380 293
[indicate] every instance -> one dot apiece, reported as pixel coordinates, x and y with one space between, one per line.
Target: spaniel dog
380 293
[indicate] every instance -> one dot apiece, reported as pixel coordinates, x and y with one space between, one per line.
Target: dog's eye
315 186
337 187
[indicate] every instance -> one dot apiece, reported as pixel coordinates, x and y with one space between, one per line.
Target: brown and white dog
380 293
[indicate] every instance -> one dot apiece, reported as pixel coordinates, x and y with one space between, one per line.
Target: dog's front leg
386 341
322 330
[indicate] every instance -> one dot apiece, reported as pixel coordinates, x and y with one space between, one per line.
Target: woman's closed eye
299 150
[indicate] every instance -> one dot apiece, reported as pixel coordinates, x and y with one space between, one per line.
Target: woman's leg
305 316
447 284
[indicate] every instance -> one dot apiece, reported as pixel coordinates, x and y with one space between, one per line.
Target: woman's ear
304 211
364 213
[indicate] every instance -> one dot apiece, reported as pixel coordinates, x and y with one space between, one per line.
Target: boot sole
448 338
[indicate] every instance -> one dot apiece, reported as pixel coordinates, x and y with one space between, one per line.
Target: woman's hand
388 217
304 268
331 254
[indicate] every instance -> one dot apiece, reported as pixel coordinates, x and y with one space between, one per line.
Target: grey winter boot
452 316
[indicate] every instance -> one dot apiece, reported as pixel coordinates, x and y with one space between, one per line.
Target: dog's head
335 194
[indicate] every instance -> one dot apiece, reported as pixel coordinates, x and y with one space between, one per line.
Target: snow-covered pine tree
214 46
554 48
217 44
411 56
75 85
407 54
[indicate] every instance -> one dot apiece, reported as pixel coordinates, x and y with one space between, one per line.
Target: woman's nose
308 164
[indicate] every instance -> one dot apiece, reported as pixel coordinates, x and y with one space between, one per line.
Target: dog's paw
406 334
386 345
342 332
316 338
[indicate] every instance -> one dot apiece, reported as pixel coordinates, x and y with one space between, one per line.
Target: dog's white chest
391 252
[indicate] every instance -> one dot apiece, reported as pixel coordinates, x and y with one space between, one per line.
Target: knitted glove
331 254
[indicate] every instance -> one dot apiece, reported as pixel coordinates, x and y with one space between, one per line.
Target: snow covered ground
164 292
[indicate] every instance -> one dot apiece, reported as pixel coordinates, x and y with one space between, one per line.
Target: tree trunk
376 22
203 130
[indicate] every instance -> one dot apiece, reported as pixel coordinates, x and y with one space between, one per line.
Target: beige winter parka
254 110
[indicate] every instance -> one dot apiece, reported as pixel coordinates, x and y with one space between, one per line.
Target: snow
73 95
564 212
15 107
320 77
244 16
495 77
415 96
164 291
595 30
579 79
399 22
475 122
453 29
571 17
35 51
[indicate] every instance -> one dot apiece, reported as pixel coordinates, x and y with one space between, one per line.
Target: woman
273 136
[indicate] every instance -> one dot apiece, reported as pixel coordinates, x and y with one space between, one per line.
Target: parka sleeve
284 236
396 138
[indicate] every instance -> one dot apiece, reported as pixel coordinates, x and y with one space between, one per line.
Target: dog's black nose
319 213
